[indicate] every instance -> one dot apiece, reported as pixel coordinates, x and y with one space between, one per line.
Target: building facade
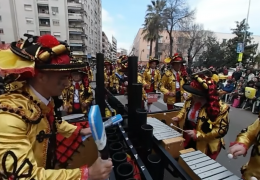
122 51
76 21
106 46
114 48
141 47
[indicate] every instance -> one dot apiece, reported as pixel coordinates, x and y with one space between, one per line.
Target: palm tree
154 23
149 34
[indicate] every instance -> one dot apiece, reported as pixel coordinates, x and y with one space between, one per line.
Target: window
55 22
30 32
180 39
55 9
147 56
29 20
224 40
1 31
57 34
0 18
28 7
148 46
44 32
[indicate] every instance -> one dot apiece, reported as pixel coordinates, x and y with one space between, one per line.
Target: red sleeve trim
77 131
84 173
233 143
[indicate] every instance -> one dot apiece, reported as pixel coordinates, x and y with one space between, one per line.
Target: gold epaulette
22 105
168 73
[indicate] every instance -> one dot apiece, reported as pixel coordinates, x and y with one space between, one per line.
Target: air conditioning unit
53 13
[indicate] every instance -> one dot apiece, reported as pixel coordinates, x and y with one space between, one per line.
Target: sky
122 19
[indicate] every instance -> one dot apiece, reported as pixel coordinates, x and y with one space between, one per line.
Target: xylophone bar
204 168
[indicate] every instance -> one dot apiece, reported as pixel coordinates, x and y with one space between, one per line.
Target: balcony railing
75 16
44 23
74 5
78 53
43 13
76 29
42 1
76 41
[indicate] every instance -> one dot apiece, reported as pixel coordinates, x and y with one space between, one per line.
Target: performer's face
176 66
53 83
153 65
76 77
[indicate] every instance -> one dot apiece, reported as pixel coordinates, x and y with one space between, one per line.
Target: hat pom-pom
167 60
48 41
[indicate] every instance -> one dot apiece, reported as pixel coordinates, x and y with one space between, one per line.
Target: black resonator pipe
100 86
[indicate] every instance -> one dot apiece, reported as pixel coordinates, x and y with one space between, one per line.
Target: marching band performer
110 79
90 73
27 119
78 96
203 117
151 77
248 137
172 81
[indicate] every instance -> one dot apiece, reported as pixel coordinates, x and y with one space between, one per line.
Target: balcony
78 53
75 5
44 23
75 16
75 29
42 1
76 41
43 11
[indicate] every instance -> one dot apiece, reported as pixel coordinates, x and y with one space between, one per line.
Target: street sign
240 57
240 48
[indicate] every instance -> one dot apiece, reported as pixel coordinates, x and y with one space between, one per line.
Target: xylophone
201 167
172 140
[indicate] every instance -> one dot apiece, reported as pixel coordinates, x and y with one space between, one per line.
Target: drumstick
172 124
230 156
177 127
253 178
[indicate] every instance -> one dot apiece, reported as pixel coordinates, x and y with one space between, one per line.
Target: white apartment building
122 51
114 48
106 46
76 21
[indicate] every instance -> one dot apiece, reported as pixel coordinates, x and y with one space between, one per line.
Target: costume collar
80 82
40 97
174 71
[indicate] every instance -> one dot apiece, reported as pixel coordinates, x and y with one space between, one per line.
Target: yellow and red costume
248 137
172 82
111 81
77 94
28 120
140 80
151 77
207 117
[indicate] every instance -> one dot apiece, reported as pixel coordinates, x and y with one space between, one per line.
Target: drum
74 118
250 92
152 97
179 105
74 152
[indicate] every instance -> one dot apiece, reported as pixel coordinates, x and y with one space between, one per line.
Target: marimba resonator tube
125 171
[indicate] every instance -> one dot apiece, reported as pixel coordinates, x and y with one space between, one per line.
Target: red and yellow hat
176 58
44 53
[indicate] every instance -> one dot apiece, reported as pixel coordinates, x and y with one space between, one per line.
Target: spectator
225 70
237 74
250 75
229 86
